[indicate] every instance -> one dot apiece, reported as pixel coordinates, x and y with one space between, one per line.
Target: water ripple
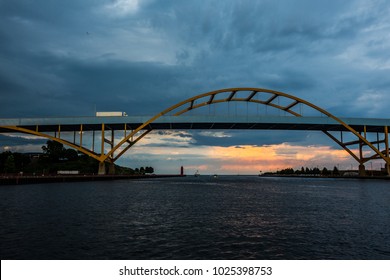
197 218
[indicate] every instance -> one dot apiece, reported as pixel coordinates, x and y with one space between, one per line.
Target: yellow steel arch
57 139
98 156
190 104
214 97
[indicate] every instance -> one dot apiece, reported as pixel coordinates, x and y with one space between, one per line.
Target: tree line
307 171
55 157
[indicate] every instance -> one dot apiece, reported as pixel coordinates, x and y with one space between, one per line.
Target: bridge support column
102 168
111 169
362 170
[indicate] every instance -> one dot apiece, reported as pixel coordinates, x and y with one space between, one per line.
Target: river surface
229 217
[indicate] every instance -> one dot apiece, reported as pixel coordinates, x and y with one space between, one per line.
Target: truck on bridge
111 114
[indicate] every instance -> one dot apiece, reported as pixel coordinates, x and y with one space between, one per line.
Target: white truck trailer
111 114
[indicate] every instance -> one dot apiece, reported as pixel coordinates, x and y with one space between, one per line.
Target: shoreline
24 180
326 177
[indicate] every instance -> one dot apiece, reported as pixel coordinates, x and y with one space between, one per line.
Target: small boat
215 176
197 173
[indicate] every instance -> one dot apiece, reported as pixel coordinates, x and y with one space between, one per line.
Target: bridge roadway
195 122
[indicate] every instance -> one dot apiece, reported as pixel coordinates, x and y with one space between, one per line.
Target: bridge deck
196 122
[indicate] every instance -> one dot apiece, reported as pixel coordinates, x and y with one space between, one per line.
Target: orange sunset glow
247 159
250 159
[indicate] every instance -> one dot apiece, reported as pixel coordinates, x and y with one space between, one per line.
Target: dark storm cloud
246 137
68 58
16 143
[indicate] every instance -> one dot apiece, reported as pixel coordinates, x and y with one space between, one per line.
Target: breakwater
21 180
325 177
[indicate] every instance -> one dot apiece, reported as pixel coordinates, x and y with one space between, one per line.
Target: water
197 218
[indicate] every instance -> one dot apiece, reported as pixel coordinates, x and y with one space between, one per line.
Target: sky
70 58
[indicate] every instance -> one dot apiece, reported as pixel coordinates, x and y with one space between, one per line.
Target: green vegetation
55 157
306 171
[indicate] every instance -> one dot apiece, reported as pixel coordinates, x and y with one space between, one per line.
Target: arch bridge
363 139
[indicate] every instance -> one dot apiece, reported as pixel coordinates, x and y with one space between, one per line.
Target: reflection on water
232 217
